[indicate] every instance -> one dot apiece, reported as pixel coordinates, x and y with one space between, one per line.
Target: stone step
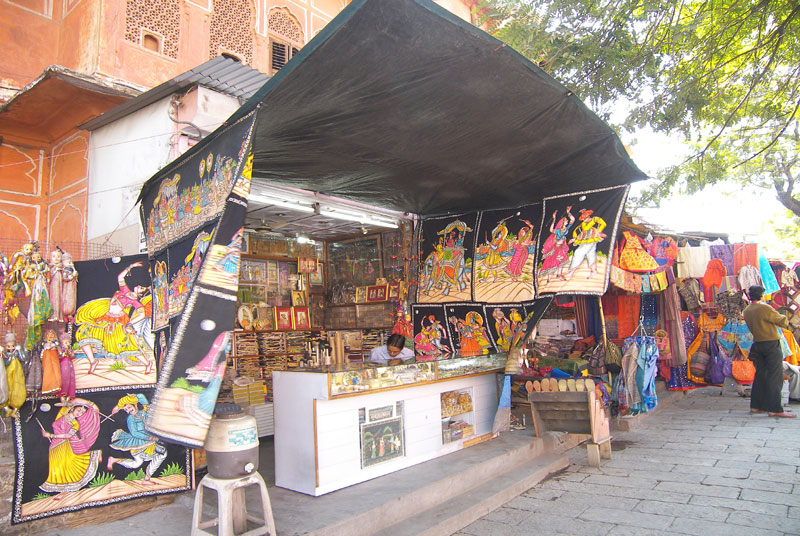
453 515
393 499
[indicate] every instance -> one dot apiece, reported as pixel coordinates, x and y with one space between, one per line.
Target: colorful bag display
613 357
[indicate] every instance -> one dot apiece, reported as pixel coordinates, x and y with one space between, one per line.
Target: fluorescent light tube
285 203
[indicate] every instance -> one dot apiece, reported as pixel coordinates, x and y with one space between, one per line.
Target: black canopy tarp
400 104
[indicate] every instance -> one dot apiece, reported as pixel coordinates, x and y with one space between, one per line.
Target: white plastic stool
231 508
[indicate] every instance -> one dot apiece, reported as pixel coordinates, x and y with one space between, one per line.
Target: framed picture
382 441
316 277
301 319
272 272
283 318
361 294
393 291
316 309
299 299
356 261
306 266
376 293
244 317
263 316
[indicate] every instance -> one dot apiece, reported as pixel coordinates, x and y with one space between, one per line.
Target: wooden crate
576 412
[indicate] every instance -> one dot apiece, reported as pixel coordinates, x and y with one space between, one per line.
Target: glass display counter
367 377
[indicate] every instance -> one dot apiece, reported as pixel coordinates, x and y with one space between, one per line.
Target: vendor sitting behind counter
393 352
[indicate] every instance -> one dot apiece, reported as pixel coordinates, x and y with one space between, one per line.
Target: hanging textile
672 323
744 254
735 334
590 219
714 273
725 255
692 261
628 318
730 303
197 194
648 313
634 257
770 283
639 364
749 276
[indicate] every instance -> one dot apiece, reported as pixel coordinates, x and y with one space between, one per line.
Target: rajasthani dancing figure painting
446 250
504 255
468 331
576 241
113 337
431 339
93 456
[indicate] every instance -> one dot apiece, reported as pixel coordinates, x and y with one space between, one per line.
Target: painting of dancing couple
92 450
576 239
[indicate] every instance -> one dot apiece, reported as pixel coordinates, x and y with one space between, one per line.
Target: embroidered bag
743 371
613 357
715 372
730 303
597 360
690 292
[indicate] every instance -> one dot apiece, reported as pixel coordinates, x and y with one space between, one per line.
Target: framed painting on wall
299 298
306 266
316 277
361 294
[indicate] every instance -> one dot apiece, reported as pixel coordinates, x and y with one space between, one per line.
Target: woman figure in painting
475 323
72 464
103 321
502 326
521 249
555 251
496 248
468 346
51 370
65 358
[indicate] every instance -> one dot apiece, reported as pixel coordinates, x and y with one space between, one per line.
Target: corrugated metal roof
220 74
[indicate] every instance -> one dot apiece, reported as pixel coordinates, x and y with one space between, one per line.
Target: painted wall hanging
89 451
576 241
114 342
192 370
446 248
504 254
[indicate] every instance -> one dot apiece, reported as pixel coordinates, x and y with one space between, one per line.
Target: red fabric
744 254
628 318
715 272
610 305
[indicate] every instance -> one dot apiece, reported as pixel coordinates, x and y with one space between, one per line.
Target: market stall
401 116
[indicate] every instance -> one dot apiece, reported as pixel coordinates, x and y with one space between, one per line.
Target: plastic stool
231 508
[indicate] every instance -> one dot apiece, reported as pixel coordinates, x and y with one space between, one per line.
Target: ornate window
232 29
154 25
286 37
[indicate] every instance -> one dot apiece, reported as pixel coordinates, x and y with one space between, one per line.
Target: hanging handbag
743 370
715 373
690 292
597 360
613 357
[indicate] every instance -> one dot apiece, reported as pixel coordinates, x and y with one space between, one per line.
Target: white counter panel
318 441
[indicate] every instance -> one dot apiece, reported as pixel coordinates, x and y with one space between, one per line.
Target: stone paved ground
700 465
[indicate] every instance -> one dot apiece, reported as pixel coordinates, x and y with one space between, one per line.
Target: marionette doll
40 308
69 287
15 376
56 281
51 368
65 357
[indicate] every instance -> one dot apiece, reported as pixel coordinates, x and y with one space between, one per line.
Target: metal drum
232 443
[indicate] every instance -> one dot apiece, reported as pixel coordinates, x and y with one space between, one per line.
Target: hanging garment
730 282
734 334
730 303
749 276
664 250
788 278
699 352
689 289
672 322
633 256
714 273
794 357
646 371
744 254
630 356
725 255
648 312
692 261
628 319
770 283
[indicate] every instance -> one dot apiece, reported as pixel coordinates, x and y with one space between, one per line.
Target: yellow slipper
571 387
562 385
